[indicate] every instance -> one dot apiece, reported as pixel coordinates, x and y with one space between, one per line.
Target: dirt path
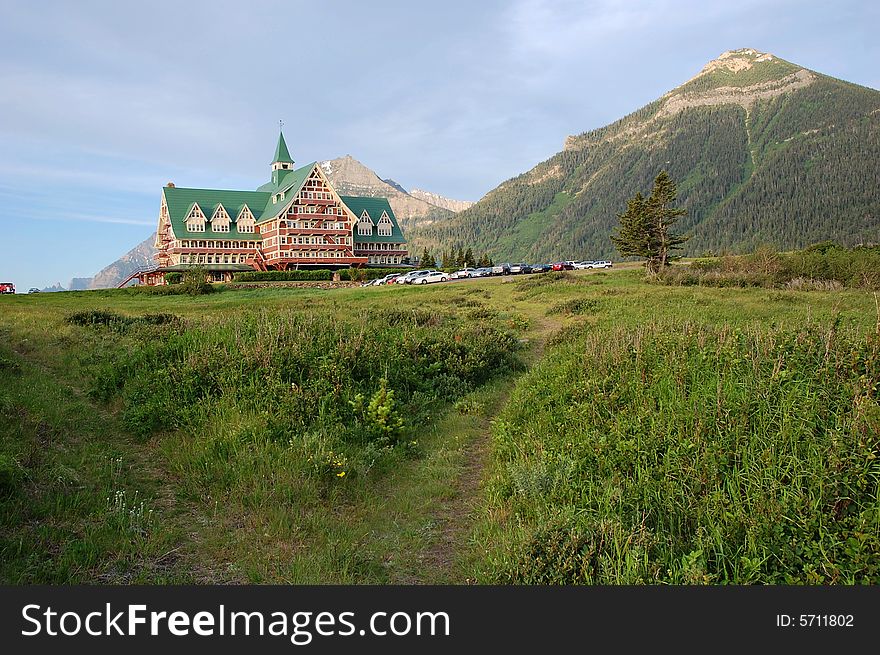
455 516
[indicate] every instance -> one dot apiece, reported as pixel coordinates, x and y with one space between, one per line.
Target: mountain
141 256
351 178
348 176
394 184
439 201
762 150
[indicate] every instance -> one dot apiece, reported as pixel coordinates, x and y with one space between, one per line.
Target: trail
454 517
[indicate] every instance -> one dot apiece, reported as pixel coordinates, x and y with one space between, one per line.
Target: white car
409 277
431 276
463 273
582 265
600 264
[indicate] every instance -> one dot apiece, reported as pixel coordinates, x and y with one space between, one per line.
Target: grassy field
583 427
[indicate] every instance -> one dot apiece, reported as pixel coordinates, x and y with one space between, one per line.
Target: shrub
102 318
173 278
575 306
195 282
320 275
94 317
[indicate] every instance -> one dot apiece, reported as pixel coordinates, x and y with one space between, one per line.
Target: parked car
388 279
393 278
562 266
583 265
407 278
501 269
520 267
7 287
431 276
540 268
486 271
463 273
33 290
601 264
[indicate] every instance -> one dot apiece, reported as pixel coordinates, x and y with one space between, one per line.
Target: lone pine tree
644 229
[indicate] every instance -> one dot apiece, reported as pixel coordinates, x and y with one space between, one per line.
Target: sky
103 103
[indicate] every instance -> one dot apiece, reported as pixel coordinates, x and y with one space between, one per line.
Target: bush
118 322
575 306
319 275
195 282
173 278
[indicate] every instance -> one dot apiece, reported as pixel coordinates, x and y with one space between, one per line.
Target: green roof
290 185
180 201
374 208
281 153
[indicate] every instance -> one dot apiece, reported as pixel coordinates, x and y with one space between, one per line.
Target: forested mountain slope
762 150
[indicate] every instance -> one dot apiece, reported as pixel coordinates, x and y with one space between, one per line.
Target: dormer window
245 221
220 220
385 225
195 220
365 225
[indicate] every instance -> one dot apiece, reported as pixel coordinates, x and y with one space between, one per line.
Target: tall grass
691 454
300 378
825 267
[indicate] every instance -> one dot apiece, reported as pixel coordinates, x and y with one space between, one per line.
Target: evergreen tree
663 216
633 237
426 260
469 258
459 258
448 261
644 229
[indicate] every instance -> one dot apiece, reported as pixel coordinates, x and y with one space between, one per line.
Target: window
385 225
195 220
220 219
365 225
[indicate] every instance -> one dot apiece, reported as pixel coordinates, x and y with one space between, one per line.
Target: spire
281 152
283 163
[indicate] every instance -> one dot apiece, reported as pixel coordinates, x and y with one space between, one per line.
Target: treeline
451 259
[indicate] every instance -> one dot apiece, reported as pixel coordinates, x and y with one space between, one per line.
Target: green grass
564 428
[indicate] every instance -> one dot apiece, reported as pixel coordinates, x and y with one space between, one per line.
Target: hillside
763 150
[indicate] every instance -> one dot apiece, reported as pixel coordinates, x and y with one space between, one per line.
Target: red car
562 266
7 287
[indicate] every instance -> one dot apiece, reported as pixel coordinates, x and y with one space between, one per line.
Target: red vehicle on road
562 266
7 287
